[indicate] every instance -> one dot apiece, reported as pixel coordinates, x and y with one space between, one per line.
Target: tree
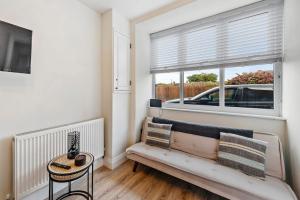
203 77
259 77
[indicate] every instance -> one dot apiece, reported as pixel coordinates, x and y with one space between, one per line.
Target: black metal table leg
50 189
88 180
92 181
49 185
70 186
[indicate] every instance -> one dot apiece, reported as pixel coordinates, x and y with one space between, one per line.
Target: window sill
225 113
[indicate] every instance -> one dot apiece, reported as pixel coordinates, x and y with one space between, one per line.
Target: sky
229 73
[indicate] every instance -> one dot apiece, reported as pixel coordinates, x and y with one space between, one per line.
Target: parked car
249 96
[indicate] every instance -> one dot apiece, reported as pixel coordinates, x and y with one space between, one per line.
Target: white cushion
270 188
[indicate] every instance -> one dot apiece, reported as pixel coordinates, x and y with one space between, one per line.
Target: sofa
192 157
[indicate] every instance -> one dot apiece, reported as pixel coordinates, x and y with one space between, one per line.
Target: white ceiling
128 8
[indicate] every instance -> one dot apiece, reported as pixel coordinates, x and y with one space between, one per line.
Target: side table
60 175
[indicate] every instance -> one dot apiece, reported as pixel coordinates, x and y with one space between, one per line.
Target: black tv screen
15 48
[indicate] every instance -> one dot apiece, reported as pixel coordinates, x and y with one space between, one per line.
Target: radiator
33 150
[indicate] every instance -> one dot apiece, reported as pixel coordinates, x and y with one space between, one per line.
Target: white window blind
246 35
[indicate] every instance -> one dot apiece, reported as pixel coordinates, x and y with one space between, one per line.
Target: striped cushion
158 135
245 154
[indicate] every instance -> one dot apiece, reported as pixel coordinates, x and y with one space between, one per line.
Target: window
211 99
167 87
251 89
201 87
230 62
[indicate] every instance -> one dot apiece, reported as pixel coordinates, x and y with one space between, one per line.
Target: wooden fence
167 92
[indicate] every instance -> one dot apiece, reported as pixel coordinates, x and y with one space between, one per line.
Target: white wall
106 79
291 83
258 124
65 84
143 79
288 131
111 99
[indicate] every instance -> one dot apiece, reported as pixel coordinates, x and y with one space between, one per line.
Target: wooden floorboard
144 184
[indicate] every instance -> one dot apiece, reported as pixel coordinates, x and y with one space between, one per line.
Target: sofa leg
135 166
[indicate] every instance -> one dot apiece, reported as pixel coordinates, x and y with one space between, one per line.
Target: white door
121 62
121 117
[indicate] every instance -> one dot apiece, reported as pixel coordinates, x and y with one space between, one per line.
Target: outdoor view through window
167 87
202 87
248 87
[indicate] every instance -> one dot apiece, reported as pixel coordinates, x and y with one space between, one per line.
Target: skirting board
43 192
113 163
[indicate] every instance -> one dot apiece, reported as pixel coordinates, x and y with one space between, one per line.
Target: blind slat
249 34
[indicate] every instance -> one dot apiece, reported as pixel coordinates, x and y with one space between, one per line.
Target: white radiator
32 151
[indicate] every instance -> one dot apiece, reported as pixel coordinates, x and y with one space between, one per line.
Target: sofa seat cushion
270 188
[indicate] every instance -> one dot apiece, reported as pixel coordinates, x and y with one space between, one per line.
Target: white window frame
222 108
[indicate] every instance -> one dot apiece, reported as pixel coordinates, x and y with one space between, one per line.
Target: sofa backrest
207 147
194 144
274 156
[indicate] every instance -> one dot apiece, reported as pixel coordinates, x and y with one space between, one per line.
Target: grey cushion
158 134
245 154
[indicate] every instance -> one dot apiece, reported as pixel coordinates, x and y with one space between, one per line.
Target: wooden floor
146 183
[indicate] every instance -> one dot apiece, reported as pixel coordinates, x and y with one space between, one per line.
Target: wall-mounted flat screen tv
15 48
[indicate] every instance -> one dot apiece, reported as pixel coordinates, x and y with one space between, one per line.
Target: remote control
61 165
